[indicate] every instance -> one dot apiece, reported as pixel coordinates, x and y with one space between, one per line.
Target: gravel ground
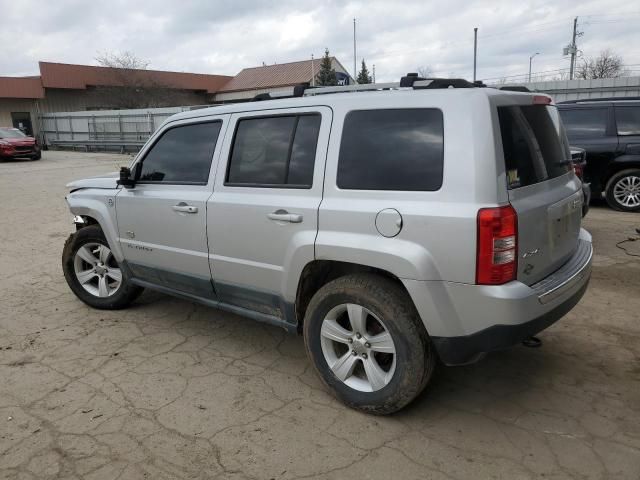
169 389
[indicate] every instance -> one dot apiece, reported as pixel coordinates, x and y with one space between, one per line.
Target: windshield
11 133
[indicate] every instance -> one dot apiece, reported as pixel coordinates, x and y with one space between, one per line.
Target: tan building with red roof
72 88
68 88
278 78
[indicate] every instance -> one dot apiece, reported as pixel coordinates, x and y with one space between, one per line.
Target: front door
162 220
263 214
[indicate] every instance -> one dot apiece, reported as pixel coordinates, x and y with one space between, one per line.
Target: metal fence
119 130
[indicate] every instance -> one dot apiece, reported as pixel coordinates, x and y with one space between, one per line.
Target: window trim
286 186
616 127
344 120
162 134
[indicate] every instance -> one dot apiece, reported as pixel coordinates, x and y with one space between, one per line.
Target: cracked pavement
169 389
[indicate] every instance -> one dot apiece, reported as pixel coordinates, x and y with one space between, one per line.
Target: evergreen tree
363 75
327 75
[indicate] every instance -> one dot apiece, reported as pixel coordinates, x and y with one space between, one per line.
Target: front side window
628 120
585 122
394 149
182 155
275 151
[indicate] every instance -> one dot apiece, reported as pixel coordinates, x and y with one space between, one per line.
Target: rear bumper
467 321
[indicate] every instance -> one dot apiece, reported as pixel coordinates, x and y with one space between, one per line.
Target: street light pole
475 51
530 60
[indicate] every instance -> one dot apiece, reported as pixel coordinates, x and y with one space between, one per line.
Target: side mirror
125 178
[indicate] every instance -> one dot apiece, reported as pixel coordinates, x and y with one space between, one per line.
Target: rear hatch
542 189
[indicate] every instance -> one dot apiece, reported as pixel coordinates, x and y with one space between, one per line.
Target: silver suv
391 225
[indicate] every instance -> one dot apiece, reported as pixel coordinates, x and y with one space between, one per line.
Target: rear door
545 193
591 126
263 214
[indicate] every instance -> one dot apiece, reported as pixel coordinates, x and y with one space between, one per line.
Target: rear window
585 122
534 150
628 120
395 149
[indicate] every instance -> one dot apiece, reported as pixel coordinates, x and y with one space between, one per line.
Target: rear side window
628 120
274 151
585 122
395 149
532 145
182 155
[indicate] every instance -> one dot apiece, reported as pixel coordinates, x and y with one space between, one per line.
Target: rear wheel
93 273
368 344
623 190
36 156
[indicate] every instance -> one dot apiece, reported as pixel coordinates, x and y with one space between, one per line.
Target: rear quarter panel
438 236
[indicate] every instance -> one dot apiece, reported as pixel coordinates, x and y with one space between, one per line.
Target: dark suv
609 130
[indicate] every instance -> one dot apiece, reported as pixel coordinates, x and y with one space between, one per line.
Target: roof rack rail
603 99
411 80
514 88
298 91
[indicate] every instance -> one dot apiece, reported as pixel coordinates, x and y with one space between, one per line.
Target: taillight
497 254
577 168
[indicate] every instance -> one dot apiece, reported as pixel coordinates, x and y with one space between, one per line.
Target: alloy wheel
97 270
626 191
358 347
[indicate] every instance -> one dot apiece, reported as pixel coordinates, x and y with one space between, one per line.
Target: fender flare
97 207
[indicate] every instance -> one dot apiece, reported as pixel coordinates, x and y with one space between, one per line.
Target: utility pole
374 73
572 48
355 71
313 73
475 51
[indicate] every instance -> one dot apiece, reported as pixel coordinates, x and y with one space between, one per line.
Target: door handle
184 208
284 216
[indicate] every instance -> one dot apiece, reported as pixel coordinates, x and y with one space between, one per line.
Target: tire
37 156
623 190
100 287
385 304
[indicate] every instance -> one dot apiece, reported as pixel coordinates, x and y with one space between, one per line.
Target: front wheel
366 341
623 190
93 273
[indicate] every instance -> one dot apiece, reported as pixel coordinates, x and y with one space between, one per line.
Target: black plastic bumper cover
468 349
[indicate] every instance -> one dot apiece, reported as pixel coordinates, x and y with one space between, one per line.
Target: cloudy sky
220 36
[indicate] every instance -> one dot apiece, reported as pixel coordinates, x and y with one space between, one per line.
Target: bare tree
425 71
605 65
130 85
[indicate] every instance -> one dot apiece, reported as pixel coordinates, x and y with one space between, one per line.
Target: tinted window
274 151
399 149
585 122
532 145
628 120
182 154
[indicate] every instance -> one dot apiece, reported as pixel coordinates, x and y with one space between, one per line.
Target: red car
15 144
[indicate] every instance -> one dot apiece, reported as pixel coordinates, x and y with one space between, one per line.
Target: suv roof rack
603 99
514 88
411 80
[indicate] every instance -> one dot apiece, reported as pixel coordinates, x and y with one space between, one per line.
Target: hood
19 141
103 181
